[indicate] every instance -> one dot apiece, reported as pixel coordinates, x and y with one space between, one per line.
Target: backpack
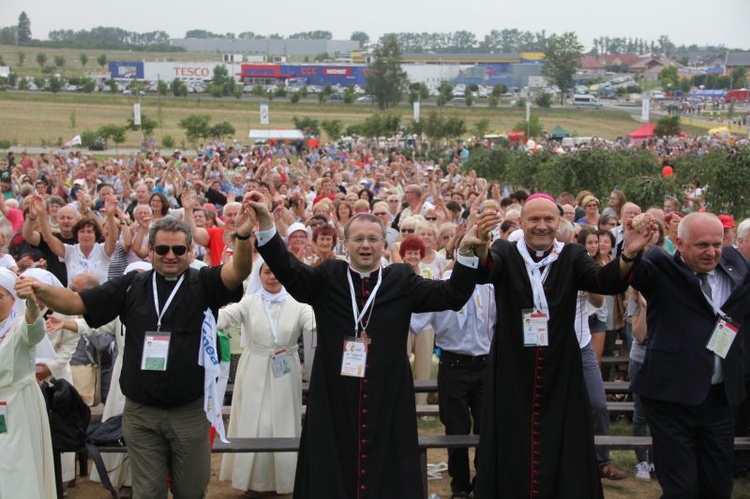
69 416
107 433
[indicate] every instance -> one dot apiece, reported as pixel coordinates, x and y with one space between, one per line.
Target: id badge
280 363
535 332
3 417
722 337
155 351
354 359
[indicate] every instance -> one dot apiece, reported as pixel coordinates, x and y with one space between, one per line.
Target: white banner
528 110
416 112
75 141
645 110
264 118
137 114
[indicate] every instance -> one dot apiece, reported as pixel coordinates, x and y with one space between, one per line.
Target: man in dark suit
689 382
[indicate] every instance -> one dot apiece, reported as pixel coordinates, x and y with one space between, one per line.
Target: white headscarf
138 265
44 276
8 282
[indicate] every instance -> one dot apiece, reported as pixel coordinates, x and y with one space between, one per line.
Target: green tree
197 126
481 127
222 83
544 100
59 61
21 58
668 126
147 126
669 78
418 92
499 89
445 92
23 31
116 133
41 59
469 96
55 84
162 87
562 60
349 95
84 59
386 80
332 128
179 88
308 126
88 85
361 37
533 127
739 77
102 60
221 130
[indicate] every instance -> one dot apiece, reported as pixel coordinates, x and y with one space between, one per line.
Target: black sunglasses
407 231
163 249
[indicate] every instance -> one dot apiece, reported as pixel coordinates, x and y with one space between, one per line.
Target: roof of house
738 58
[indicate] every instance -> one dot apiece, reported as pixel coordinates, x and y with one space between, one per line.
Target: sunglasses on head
163 249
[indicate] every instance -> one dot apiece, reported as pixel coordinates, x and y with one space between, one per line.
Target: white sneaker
643 470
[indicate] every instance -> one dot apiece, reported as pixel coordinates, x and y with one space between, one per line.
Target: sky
720 22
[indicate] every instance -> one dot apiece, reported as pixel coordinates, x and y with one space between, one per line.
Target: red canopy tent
645 131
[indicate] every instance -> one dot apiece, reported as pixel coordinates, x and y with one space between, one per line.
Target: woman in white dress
26 460
267 400
87 255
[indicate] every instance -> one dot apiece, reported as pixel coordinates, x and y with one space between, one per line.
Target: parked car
366 99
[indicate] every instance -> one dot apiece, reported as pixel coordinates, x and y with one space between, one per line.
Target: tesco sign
191 72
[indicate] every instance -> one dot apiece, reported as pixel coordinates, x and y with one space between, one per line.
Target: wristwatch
630 260
242 238
467 252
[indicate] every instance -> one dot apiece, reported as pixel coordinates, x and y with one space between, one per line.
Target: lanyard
537 280
358 315
160 313
274 325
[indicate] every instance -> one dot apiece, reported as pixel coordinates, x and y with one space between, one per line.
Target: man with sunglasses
167 314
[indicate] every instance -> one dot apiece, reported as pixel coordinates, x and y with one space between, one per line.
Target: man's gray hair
169 224
743 229
565 231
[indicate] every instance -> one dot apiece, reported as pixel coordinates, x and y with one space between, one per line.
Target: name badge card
3 417
280 364
355 358
155 351
535 332
722 337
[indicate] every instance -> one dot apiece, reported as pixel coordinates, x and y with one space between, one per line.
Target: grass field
34 119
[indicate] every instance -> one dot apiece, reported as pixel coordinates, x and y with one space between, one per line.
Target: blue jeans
640 426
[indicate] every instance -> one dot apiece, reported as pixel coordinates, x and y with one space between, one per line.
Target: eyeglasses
163 249
362 239
407 231
448 236
431 219
591 204
393 200
380 213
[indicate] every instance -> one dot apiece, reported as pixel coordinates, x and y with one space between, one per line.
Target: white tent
256 134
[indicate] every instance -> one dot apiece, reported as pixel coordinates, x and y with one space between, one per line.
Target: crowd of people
354 269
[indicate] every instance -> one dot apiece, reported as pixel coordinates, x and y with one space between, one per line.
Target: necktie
705 286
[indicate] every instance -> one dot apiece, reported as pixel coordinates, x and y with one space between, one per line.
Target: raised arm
200 235
60 300
239 267
28 231
37 209
110 241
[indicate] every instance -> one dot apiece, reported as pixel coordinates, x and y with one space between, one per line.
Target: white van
586 100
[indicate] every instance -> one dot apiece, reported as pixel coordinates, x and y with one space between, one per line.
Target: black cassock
359 437
537 436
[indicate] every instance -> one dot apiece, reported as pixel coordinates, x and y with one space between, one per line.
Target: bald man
537 437
692 375
67 216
